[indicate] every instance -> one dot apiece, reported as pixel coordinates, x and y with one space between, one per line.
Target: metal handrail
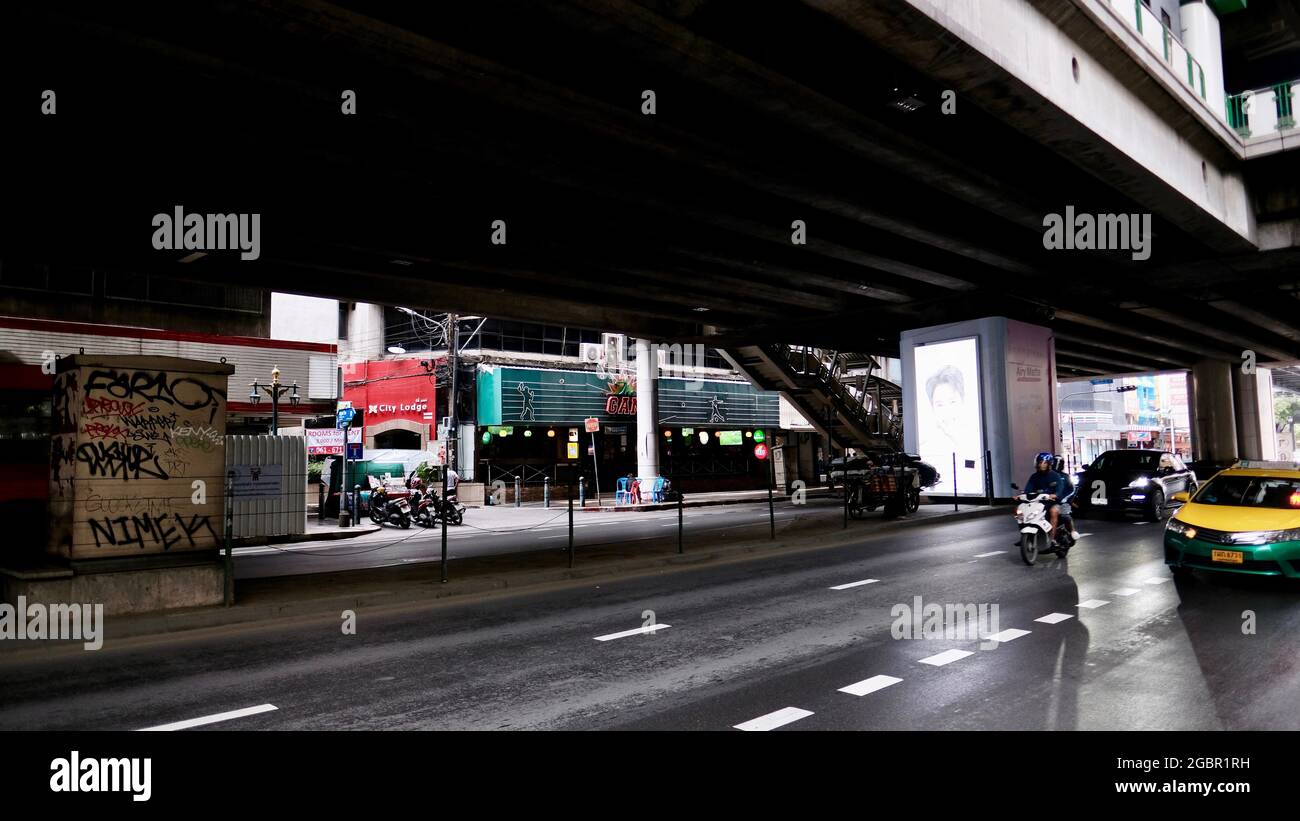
1237 107
823 367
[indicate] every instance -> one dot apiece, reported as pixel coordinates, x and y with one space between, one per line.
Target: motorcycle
431 508
1036 528
384 509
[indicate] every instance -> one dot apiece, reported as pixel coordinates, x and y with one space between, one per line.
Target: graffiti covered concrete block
132 435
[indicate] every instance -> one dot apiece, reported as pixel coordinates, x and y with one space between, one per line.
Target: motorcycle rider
1048 481
1058 465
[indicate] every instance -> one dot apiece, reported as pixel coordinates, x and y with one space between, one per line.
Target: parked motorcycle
430 509
1036 528
385 509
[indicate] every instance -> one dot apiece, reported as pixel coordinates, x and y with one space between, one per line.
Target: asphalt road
761 640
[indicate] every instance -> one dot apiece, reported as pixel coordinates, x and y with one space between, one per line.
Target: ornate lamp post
274 390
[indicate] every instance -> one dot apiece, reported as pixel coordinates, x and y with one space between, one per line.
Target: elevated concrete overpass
678 224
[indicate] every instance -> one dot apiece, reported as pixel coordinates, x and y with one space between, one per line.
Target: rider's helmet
1043 456
1058 464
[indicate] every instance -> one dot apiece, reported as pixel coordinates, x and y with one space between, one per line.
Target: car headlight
1140 481
1180 528
1266 536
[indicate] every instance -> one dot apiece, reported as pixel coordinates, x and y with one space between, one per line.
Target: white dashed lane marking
1010 634
1092 604
990 553
870 685
854 584
771 721
1054 618
1156 580
946 657
637 632
212 719
1125 591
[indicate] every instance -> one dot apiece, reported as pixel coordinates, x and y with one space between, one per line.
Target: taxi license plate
1228 556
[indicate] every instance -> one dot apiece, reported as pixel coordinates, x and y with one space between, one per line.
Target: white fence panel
270 486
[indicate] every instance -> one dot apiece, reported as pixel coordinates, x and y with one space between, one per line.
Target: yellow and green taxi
1244 520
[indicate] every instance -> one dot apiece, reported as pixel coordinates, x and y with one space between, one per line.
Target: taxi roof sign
1261 464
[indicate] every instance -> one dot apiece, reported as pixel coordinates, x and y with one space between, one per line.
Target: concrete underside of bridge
673 225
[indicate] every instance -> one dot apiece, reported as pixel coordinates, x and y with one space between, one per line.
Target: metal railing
1264 110
534 474
1162 41
869 408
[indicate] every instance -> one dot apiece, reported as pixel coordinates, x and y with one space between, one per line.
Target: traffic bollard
518 496
546 491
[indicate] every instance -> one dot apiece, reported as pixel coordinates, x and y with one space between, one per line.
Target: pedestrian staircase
838 392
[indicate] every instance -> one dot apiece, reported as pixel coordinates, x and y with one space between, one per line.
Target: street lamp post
275 390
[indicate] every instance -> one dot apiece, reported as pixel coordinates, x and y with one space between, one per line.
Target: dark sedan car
1124 480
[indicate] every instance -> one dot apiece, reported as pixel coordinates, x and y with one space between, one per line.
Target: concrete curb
411 589
318 536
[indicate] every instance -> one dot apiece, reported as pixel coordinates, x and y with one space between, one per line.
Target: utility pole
1074 444
453 427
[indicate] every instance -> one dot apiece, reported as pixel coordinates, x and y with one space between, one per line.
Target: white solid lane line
1054 618
771 721
946 657
854 584
870 685
1092 604
637 632
990 553
212 719
1010 634
1125 591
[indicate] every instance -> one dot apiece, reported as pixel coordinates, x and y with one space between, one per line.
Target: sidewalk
322 594
317 530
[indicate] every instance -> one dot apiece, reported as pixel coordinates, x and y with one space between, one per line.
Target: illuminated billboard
730 437
947 400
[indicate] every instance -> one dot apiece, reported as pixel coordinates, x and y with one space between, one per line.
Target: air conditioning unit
615 349
591 353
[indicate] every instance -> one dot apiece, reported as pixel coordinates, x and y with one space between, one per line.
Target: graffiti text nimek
149 530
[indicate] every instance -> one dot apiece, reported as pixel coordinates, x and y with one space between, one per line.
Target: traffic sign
592 423
345 416
1102 381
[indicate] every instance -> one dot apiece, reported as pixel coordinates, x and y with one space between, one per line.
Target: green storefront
531 424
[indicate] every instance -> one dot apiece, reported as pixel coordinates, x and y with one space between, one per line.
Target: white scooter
1036 528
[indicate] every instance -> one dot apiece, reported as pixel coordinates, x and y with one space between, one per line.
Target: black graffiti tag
149 530
65 395
156 386
120 460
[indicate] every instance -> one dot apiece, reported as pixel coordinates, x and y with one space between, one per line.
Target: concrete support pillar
647 422
1253 402
1201 36
1213 408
